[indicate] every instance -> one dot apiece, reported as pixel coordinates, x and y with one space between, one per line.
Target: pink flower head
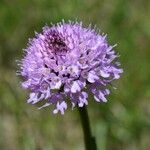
66 60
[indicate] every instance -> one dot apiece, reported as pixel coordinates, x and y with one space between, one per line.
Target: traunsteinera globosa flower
68 61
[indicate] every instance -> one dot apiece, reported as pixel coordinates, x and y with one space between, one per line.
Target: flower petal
56 83
83 99
75 87
92 77
60 107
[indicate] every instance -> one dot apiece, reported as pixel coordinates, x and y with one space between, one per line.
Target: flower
65 61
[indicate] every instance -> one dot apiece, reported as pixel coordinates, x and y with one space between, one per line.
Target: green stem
89 140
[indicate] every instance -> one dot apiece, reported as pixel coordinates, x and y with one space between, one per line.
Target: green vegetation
121 124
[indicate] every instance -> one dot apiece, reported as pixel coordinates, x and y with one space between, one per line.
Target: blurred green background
121 124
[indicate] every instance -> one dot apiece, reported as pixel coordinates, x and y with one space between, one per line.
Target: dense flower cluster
68 61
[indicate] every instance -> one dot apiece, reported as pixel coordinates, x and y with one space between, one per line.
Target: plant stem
89 140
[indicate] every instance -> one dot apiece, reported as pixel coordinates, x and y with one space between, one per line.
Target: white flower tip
55 111
75 87
92 77
81 104
104 74
45 105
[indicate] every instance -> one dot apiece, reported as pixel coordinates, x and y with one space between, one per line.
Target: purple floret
65 61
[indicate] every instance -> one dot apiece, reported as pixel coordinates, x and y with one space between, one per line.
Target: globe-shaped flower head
66 62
